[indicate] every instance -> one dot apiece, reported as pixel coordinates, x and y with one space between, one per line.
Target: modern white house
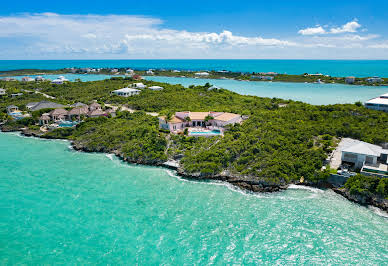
187 119
138 85
150 72
39 78
126 92
2 92
59 80
364 156
374 79
201 74
156 88
380 103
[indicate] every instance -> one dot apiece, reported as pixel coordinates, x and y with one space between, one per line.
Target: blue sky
194 29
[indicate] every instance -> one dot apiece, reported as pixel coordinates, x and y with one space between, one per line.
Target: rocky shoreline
238 181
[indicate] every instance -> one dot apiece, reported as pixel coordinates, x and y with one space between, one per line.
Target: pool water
205 133
68 124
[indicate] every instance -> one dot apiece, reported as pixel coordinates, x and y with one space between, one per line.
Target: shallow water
62 206
312 93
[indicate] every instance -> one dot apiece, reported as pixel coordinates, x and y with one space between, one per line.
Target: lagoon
60 206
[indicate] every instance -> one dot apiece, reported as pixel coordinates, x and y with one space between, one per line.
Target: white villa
156 88
138 85
126 92
59 80
150 72
202 74
379 103
211 120
365 156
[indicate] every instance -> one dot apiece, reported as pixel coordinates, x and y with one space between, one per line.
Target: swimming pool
67 124
205 133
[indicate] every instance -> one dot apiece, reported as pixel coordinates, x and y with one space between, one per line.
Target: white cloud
312 31
348 27
50 35
351 27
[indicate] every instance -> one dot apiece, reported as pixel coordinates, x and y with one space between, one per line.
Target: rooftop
361 147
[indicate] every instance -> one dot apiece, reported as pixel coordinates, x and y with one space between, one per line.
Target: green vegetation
367 186
279 145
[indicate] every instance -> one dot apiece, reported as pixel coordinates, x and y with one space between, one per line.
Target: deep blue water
359 68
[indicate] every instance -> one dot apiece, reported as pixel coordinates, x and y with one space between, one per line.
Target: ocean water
312 93
59 206
306 92
359 68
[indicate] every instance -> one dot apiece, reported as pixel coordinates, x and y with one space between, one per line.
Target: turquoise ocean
59 206
359 68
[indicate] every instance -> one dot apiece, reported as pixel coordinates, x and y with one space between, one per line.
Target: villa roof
95 105
11 106
124 90
175 120
30 105
226 117
198 115
379 100
45 116
78 104
45 104
79 111
361 147
58 112
96 112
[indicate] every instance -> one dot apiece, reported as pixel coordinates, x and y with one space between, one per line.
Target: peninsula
258 144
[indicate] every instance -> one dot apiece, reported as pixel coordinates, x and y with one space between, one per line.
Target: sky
194 29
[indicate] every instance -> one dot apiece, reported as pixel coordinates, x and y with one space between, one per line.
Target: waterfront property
27 79
60 80
380 103
156 88
61 115
213 121
374 80
364 156
202 74
126 92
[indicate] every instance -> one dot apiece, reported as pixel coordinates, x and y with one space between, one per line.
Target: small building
359 153
130 71
201 74
95 106
137 77
150 72
39 78
380 103
138 85
213 88
13 95
77 112
374 79
2 92
126 92
156 88
27 79
115 70
59 80
44 119
350 80
12 108
96 113
58 114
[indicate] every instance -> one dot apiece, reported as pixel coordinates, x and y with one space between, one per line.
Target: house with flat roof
380 103
364 156
374 79
126 92
187 119
156 88
201 74
138 85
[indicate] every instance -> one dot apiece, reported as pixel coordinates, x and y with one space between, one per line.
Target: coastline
238 182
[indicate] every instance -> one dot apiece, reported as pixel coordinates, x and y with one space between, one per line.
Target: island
257 144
